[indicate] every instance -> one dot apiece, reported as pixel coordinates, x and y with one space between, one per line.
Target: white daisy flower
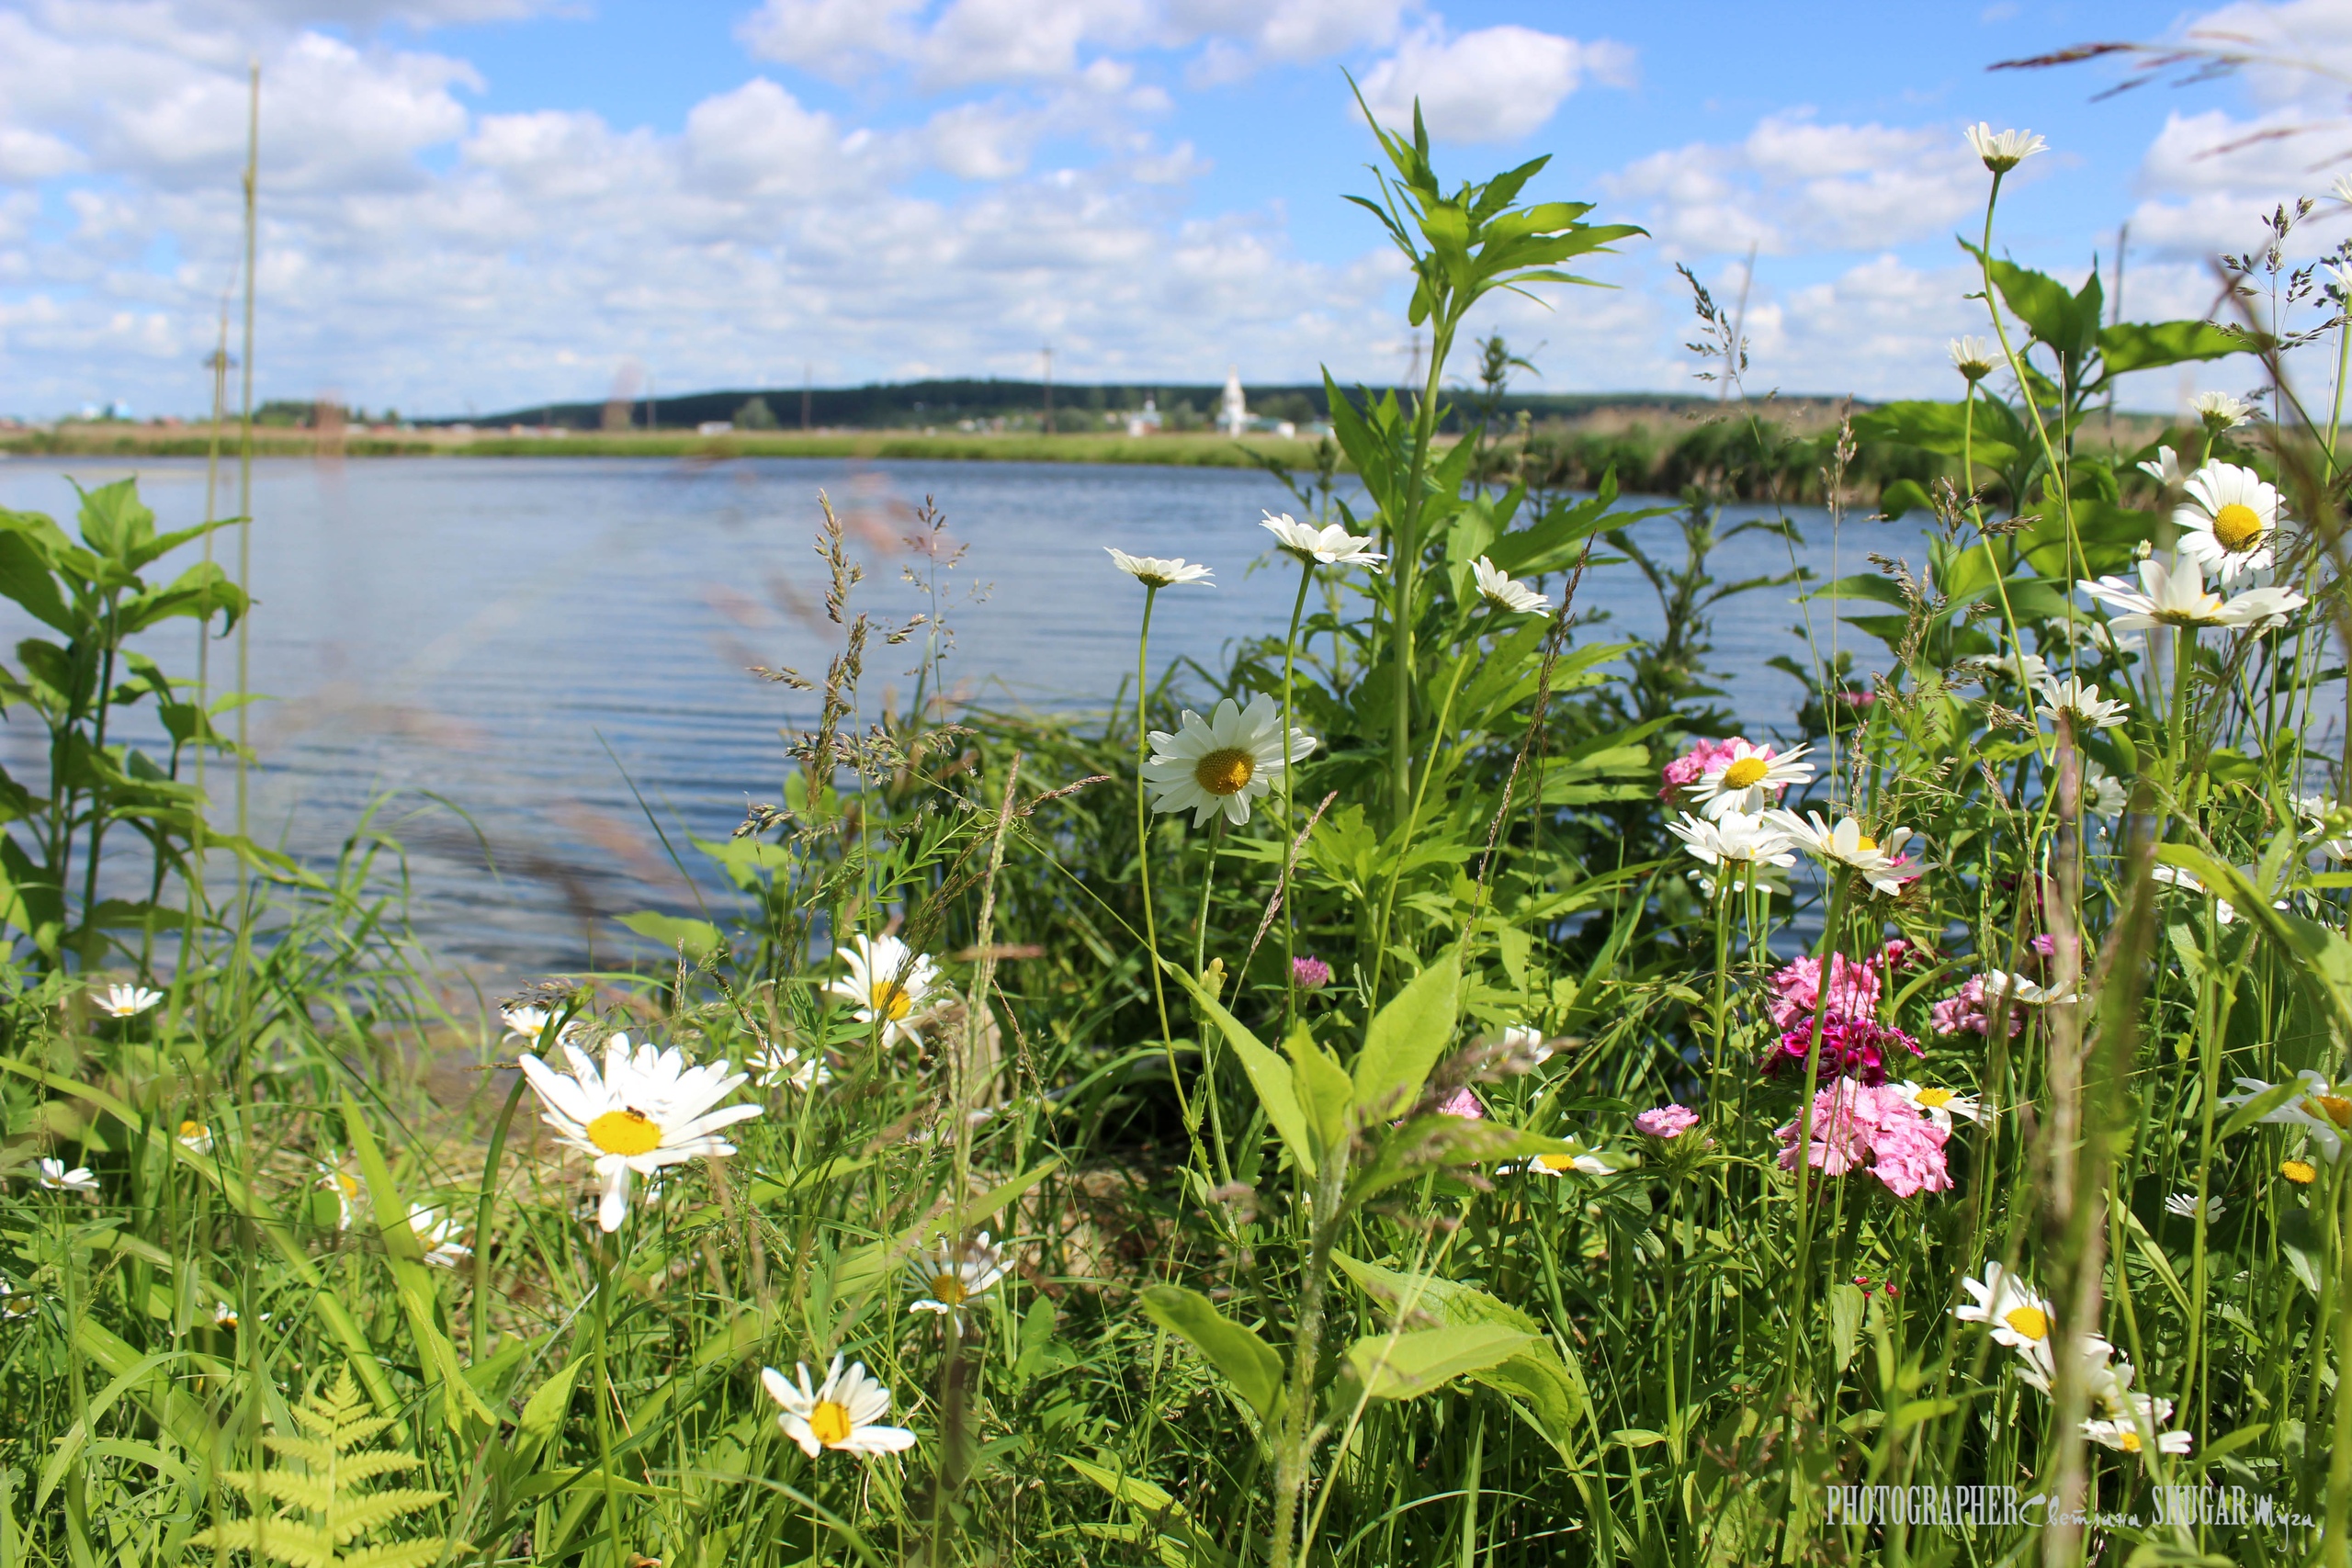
1154 572
127 1002
2324 1108
1503 594
646 1109
1747 849
773 1064
2126 1438
841 1413
2176 596
2184 1205
2221 412
529 1023
2103 794
2225 912
2025 669
954 1274
1557 1165
437 1233
2165 468
2226 521
1747 778
2019 1317
2002 149
195 1137
889 982
1883 865
2319 814
1328 546
1939 1105
1520 1040
2132 1420
2082 703
57 1178
2019 988
1222 762
350 1192
1972 357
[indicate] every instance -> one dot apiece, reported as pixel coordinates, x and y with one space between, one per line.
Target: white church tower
1234 418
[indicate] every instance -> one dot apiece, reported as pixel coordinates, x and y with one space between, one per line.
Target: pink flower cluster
1796 990
1853 1042
1666 1121
1851 1047
1967 1011
1869 1127
1692 765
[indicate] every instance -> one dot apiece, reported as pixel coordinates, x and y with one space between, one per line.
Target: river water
542 644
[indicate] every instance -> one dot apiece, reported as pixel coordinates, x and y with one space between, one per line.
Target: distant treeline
902 405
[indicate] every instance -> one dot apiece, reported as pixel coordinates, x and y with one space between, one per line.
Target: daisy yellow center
192 1130
830 1422
1745 773
1556 1163
2338 1108
889 999
1935 1099
2303 1173
947 1289
1227 770
624 1133
346 1185
1865 843
2237 525
2031 1322
2129 1441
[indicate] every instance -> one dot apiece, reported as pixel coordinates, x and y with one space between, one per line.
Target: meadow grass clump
1441 1089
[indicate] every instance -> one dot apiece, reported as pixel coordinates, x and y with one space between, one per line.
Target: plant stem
1290 768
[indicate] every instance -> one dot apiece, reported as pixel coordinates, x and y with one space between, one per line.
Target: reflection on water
543 643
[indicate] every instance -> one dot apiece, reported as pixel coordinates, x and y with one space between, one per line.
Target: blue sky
481 203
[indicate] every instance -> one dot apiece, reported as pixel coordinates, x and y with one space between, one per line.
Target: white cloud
1496 84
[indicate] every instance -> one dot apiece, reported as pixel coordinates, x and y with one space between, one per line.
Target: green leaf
696 939
25 579
1407 1037
1409 1365
2147 346
1247 1362
1325 1093
545 1410
1268 1074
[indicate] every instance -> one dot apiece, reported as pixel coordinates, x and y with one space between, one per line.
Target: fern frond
313 1493
353 1468
408 1554
356 1516
279 1540
315 1452
349 1434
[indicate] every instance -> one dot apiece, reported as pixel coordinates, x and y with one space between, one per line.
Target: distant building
1147 421
1233 417
715 427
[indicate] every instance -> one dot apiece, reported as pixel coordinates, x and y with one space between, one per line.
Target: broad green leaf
1247 1362
544 1411
2146 345
1411 1364
1268 1074
696 939
1407 1037
1325 1093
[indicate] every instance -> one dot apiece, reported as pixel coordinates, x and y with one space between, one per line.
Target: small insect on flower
954 1274
127 1002
1223 763
889 982
842 1412
646 1109
1497 588
2302 1172
195 1137
1328 546
2218 411
2002 149
57 1178
2081 705
437 1233
2184 1205
1746 779
1972 358
1667 1122
1153 571
2227 520
1309 972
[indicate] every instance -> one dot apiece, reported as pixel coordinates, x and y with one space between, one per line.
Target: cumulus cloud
1495 85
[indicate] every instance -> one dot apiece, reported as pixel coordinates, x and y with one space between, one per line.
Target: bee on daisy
888 983
844 1413
2227 521
957 1273
1221 763
645 1111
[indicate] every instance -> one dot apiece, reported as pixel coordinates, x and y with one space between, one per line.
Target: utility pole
1049 389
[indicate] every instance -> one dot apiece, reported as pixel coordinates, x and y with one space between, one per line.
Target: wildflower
57 1178
2302 1172
2025 669
772 1064
2226 521
1969 1011
529 1023
1328 546
1884 866
2002 149
127 1002
1851 1047
12 1304
1972 358
1309 972
195 1137
1153 571
1222 762
1685 770
2221 412
437 1233
645 1111
1796 990
350 1192
2326 822
888 981
1998 982
1744 847
1667 1122
2324 1109
954 1275
2081 703
1939 1105
841 1414
1464 1104
224 1316
1520 1040
2185 1206
2132 1418
2017 1318
2176 596
2225 912
2103 794
2165 468
1557 1165
1746 779
1862 1126
1499 590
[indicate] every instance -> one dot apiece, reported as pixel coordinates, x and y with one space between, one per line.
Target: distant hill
908 405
